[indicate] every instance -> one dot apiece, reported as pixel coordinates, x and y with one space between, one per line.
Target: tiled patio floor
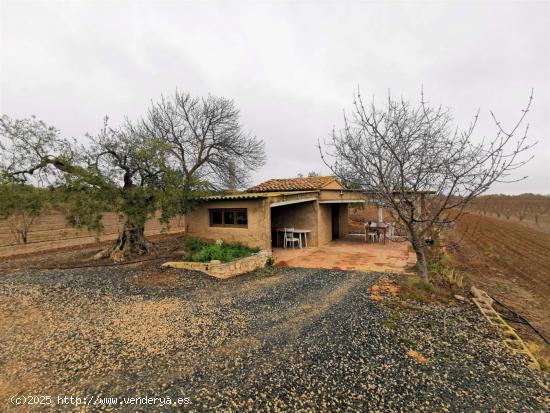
350 253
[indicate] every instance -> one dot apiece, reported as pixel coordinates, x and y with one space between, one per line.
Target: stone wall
224 270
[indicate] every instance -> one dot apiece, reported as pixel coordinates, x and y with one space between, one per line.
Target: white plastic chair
289 237
371 235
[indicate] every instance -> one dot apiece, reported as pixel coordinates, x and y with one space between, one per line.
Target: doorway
335 221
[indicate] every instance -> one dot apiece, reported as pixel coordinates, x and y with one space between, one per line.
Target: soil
511 261
164 246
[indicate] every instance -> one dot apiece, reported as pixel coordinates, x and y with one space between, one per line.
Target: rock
459 297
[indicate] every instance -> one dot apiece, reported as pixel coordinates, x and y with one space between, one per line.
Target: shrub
195 244
202 251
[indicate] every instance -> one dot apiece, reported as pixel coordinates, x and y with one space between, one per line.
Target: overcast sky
292 67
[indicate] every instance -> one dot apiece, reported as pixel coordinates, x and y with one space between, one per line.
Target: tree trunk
130 241
420 257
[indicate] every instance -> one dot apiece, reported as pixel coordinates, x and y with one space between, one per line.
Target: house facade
317 204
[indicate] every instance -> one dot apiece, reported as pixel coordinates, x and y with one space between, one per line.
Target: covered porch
349 253
310 222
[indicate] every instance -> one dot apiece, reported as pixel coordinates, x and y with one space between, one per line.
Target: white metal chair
290 238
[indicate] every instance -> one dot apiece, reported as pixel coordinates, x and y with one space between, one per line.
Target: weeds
392 325
442 271
270 261
419 284
392 322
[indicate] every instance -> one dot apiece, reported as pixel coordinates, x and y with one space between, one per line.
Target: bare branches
205 138
400 152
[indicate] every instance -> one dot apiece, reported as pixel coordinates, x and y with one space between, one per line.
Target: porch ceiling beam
344 201
292 201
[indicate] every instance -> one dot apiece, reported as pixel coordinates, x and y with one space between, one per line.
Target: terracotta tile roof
293 184
251 195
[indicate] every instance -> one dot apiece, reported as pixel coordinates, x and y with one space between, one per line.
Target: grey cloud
291 67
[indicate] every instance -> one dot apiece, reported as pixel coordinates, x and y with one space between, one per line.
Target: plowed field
511 261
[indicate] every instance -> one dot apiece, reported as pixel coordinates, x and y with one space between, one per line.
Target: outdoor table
379 228
300 232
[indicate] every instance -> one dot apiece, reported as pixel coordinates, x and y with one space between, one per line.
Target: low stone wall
224 270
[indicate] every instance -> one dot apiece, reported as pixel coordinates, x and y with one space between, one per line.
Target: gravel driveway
289 340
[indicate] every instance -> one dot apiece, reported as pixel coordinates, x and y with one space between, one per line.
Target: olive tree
400 153
181 149
120 171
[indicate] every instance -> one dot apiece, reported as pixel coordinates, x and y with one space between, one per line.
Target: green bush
195 244
202 251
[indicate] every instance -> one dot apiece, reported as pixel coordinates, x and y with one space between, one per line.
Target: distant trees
401 154
159 163
21 205
310 174
522 207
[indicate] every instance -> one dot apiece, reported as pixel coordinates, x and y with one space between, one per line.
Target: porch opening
299 216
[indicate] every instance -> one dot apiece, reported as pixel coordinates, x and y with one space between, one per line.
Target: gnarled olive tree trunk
130 241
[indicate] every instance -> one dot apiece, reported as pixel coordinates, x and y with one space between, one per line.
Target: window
228 217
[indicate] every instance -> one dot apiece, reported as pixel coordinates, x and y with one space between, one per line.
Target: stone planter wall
224 270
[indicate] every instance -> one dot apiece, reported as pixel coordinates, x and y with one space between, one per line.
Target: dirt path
287 340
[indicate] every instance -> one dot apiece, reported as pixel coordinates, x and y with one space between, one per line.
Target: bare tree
400 153
206 140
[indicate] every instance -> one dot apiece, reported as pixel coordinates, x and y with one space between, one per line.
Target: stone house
316 204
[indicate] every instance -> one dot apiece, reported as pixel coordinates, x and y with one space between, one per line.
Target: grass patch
266 271
416 289
409 342
393 320
198 250
419 284
392 325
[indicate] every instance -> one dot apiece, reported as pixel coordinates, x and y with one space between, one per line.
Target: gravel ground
279 340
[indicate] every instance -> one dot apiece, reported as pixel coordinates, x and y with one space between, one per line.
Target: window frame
223 211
